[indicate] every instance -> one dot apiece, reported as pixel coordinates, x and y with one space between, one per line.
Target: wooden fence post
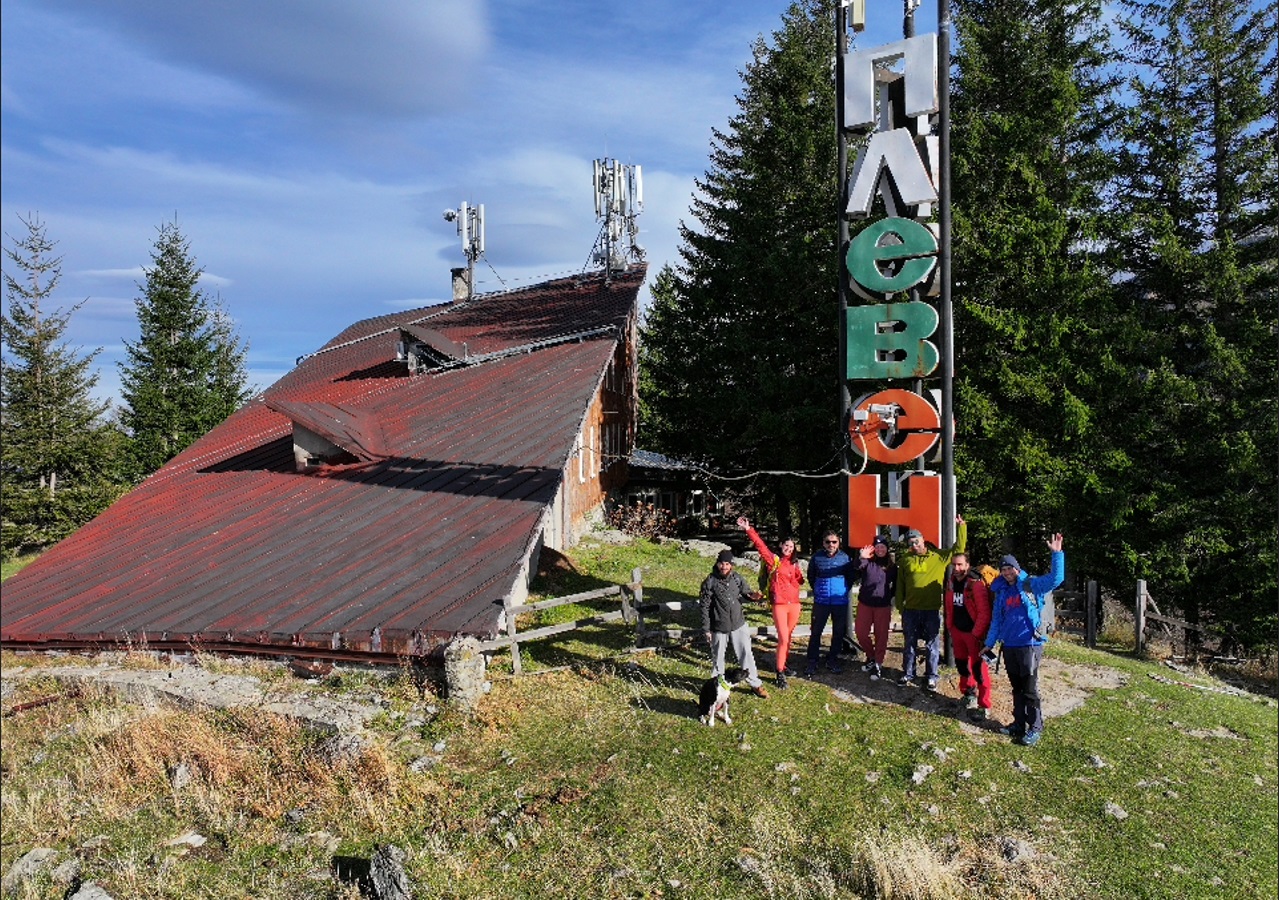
1091 606
516 668
638 600
1140 614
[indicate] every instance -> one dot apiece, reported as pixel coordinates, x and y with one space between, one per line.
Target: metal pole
946 313
845 398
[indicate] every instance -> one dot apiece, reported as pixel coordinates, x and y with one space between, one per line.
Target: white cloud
389 58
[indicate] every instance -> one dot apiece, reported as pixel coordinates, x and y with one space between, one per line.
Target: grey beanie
1009 560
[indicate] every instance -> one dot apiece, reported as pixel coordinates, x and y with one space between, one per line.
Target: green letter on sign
908 241
889 341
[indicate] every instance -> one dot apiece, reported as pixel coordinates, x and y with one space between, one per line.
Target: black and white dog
713 699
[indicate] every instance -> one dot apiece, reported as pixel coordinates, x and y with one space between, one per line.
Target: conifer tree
1030 114
1195 214
185 374
58 455
738 348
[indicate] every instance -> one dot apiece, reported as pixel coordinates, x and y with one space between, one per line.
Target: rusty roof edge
530 347
527 567
442 310
581 421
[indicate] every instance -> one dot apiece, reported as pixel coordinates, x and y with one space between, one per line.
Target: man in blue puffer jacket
1016 599
831 573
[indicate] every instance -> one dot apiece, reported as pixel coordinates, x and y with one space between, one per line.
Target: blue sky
309 147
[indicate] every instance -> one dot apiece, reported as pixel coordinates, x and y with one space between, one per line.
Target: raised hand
1054 543
743 522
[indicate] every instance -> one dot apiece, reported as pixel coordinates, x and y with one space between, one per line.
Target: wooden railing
629 594
1144 615
1078 607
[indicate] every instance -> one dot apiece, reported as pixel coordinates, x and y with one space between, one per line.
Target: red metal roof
421 537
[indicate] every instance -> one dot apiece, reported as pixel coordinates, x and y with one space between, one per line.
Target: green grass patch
16 564
593 779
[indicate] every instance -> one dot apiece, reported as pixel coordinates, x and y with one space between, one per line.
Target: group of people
927 586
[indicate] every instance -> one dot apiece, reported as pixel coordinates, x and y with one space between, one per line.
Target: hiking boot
870 666
788 672
781 681
834 666
904 680
1030 738
1013 731
810 670
978 715
875 673
970 701
759 692
932 685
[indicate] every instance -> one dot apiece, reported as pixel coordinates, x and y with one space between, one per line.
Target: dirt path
1062 688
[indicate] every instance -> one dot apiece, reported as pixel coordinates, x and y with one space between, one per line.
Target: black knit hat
724 556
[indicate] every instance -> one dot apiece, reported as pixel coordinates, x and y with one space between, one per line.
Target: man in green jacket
921 575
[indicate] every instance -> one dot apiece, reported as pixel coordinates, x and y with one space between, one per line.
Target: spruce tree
185 374
58 455
1030 124
1195 213
738 350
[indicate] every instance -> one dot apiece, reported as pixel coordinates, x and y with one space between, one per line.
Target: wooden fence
630 595
1144 616
1077 612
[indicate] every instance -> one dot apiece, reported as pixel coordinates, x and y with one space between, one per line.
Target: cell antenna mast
470 228
619 199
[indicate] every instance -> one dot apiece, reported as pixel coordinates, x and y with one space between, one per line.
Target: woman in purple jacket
878 573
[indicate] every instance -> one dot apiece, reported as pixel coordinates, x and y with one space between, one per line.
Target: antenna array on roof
619 199
470 228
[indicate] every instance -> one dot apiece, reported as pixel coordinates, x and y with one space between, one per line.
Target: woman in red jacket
784 578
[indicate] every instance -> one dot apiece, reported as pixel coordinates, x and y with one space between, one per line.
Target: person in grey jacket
724 622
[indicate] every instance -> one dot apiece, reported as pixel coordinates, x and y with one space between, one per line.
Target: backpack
1047 616
766 573
988 573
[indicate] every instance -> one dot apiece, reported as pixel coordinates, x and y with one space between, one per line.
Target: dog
713 699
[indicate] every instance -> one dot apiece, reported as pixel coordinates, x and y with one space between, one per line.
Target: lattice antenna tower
619 199
470 228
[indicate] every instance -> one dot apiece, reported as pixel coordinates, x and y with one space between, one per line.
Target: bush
33 520
643 520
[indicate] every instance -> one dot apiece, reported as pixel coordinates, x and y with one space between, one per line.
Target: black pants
1022 664
838 614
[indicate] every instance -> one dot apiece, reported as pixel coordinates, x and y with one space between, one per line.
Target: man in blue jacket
830 573
1016 601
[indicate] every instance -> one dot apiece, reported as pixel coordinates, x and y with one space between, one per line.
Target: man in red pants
967 606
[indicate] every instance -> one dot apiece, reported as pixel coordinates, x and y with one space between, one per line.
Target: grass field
592 778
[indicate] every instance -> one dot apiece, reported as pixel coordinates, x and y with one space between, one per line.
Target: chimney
461 284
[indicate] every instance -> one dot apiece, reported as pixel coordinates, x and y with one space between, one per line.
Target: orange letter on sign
912 417
865 514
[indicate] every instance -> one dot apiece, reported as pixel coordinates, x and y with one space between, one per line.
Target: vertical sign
889 97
